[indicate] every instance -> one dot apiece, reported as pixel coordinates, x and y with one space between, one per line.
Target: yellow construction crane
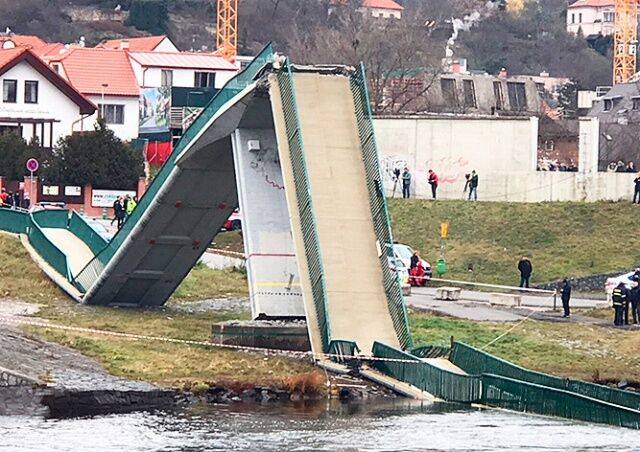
625 40
227 29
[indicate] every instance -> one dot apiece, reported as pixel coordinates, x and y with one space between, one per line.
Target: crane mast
625 40
227 29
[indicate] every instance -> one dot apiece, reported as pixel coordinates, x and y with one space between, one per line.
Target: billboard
155 105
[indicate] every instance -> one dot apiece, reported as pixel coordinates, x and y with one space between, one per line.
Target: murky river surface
397 425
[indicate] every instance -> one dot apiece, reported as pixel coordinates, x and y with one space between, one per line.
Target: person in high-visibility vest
620 297
131 205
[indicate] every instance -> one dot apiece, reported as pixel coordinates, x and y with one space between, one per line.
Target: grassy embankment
164 363
562 239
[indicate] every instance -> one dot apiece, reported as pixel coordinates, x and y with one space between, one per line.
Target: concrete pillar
3 182
31 190
534 143
588 145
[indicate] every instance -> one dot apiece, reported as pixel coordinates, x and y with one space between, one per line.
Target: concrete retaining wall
504 153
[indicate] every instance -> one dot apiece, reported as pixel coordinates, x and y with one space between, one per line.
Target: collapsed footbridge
294 147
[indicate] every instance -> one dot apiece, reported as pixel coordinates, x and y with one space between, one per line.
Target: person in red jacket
433 181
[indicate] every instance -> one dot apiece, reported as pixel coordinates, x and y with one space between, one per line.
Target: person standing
414 260
566 297
634 295
3 197
131 206
433 181
406 183
526 269
619 297
16 200
636 192
473 186
119 212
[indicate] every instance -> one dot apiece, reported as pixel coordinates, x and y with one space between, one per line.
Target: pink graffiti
450 170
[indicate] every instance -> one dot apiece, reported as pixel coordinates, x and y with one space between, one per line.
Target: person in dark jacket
619 296
635 296
406 183
526 269
473 186
119 212
636 193
414 260
566 296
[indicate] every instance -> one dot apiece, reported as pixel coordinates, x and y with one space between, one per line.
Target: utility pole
625 40
227 29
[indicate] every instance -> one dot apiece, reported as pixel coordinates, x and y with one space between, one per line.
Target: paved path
78 254
475 306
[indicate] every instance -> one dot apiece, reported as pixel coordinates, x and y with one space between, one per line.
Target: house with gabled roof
159 43
38 103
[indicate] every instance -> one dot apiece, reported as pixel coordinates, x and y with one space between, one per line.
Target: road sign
33 165
444 230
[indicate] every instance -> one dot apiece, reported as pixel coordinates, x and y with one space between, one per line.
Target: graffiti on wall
267 164
450 170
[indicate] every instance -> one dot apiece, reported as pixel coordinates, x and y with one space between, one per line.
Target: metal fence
87 276
14 221
474 361
378 204
56 219
438 382
44 247
305 204
79 227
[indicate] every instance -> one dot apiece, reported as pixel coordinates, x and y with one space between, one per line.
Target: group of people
9 200
624 298
471 184
123 207
525 267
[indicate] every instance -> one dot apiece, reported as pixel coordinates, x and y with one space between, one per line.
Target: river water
398 425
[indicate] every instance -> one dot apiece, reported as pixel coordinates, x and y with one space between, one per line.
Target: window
30 92
56 67
448 86
580 17
205 80
497 92
608 104
573 18
609 16
112 114
636 103
10 91
549 145
517 96
469 93
166 78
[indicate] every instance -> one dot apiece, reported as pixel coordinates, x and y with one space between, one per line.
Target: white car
397 266
613 282
405 253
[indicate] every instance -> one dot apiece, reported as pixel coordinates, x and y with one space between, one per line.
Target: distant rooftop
186 60
592 3
143 44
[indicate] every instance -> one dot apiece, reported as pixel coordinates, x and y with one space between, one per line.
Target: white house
144 44
382 9
183 69
106 78
592 17
36 101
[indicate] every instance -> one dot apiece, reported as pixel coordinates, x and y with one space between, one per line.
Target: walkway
78 254
475 306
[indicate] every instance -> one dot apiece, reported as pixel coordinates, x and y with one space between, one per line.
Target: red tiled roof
88 69
24 40
144 44
11 57
51 50
382 4
593 3
183 60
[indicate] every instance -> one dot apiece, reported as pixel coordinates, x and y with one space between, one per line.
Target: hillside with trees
528 39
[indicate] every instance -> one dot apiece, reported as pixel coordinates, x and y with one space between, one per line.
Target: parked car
48 206
405 252
612 282
397 266
234 223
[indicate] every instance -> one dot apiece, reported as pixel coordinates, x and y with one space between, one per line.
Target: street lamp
104 87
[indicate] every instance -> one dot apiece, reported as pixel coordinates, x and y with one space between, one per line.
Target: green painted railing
431 351
305 204
79 227
474 361
55 219
378 204
14 221
89 274
343 350
517 395
43 246
440 383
